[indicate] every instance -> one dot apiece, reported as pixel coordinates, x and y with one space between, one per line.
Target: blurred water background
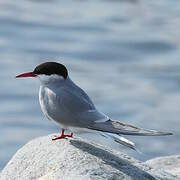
124 53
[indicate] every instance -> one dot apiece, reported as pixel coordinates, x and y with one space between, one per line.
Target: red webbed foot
62 136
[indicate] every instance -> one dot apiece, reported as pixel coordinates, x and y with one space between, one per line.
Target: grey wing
126 129
78 109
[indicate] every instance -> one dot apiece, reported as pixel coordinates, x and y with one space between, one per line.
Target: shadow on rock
113 160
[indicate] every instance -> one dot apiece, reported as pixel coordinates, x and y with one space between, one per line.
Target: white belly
47 100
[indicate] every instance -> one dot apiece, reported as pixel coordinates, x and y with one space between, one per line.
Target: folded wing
125 129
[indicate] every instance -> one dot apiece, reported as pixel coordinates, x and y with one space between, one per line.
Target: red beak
27 74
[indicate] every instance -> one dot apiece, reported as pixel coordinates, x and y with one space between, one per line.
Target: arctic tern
62 101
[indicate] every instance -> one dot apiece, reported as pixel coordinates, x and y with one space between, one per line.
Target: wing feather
126 129
77 109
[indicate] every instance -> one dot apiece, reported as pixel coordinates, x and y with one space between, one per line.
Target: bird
64 102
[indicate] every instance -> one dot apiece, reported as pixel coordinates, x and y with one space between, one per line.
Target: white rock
170 164
72 159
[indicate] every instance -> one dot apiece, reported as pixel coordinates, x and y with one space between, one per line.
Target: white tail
120 140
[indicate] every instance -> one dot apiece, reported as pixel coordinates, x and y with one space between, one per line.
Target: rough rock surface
170 164
72 159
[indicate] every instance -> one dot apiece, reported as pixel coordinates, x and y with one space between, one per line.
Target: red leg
62 136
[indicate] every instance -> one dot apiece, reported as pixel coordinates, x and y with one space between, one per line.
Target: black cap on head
49 68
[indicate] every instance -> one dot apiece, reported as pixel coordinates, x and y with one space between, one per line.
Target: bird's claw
62 136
